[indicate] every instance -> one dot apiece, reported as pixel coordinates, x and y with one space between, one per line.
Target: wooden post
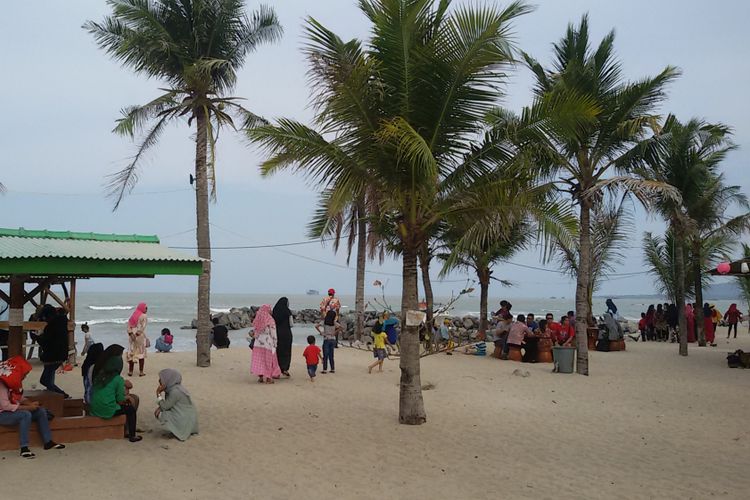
15 316
72 350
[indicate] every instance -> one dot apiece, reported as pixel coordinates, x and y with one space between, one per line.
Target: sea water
107 313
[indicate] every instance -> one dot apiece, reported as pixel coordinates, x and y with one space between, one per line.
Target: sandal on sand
130 374
26 453
135 439
53 446
270 381
141 374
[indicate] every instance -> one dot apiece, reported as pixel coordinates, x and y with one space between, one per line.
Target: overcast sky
61 95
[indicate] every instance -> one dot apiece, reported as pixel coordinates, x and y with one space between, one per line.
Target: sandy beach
645 424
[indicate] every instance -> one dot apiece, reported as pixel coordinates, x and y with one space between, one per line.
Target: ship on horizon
313 292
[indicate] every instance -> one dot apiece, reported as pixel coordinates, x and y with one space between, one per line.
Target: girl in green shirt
108 398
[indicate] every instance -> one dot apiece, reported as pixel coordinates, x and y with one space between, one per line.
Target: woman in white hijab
176 411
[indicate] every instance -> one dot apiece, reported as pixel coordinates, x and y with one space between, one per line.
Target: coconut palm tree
196 48
481 258
708 210
744 282
610 229
352 224
587 150
686 156
410 102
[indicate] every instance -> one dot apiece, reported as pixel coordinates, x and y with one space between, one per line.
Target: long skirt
708 326
284 347
691 329
264 363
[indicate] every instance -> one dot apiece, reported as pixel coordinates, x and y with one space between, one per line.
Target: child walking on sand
329 329
379 340
312 357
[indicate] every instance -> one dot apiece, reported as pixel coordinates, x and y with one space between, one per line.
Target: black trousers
130 418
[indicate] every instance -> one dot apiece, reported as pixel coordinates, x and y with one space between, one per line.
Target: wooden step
67 430
72 408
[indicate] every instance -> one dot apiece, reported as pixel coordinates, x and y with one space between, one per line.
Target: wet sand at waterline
646 424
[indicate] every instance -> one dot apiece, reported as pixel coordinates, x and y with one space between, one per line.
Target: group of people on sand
661 323
106 393
271 340
523 331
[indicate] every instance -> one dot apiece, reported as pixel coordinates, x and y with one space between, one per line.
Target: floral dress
137 340
264 361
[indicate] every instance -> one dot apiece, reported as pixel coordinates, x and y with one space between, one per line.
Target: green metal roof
89 254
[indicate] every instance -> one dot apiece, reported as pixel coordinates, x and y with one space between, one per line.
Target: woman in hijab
53 346
264 362
732 317
708 324
15 410
284 320
611 308
176 411
137 339
108 398
87 369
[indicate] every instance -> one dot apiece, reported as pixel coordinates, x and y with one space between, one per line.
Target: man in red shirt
563 332
312 356
554 326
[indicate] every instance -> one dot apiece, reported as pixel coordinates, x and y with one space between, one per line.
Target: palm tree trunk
582 287
411 405
359 299
203 236
424 265
483 275
700 331
679 292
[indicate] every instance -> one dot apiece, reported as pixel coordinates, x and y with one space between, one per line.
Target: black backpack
734 359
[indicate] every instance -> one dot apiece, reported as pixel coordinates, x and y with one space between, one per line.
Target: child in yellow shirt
379 340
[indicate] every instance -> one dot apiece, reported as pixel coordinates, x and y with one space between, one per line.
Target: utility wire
278 246
141 193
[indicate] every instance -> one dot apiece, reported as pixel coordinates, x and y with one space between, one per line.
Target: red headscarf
263 318
732 308
139 310
12 373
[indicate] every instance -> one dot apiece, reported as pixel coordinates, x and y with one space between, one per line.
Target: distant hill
718 291
723 291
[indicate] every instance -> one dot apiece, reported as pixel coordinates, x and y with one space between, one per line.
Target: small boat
313 292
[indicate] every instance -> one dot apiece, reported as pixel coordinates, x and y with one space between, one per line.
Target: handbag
148 342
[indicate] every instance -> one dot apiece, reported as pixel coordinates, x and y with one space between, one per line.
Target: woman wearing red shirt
732 316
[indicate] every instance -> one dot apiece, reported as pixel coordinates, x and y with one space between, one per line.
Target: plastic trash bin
563 358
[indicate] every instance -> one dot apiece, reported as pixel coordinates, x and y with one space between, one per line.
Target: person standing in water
137 339
282 315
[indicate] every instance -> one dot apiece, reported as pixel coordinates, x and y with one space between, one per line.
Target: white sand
645 424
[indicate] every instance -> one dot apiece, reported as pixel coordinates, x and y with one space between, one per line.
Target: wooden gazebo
47 259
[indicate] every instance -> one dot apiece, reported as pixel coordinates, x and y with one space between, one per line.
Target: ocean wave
122 321
220 309
110 308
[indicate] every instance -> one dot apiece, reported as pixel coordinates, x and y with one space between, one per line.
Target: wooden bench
67 430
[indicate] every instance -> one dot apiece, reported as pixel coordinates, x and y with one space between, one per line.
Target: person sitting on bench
17 410
109 397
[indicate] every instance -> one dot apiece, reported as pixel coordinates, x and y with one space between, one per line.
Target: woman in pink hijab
137 339
264 362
